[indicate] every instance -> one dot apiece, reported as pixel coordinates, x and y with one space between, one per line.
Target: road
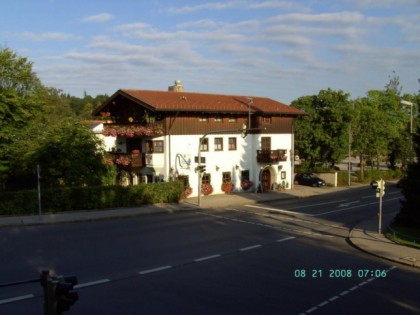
283 257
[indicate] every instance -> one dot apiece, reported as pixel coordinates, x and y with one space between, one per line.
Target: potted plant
227 187
187 192
206 189
246 184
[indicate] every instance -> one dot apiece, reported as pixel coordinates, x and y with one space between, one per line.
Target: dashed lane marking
17 298
144 272
147 271
250 247
92 283
336 297
207 257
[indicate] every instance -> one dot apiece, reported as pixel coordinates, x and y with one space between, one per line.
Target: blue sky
279 49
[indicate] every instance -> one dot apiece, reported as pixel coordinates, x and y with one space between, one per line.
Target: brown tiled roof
201 102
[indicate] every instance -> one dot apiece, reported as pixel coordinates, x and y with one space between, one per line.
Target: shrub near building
89 198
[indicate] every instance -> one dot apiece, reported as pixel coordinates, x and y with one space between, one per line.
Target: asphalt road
288 257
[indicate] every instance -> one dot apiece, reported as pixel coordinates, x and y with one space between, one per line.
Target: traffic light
66 297
382 184
380 188
244 131
201 168
58 293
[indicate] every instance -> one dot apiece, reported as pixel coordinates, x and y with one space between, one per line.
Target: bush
88 198
370 175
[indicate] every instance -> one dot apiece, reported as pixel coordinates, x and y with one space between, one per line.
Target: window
204 145
206 179
158 146
154 146
202 119
226 177
266 143
218 144
232 119
232 144
266 120
244 175
218 119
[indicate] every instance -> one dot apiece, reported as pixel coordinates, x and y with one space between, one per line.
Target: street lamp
404 102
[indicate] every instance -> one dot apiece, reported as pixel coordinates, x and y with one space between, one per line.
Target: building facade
155 136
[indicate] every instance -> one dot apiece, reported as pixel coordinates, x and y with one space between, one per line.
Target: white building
154 136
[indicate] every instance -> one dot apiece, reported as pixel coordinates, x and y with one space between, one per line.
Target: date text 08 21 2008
340 273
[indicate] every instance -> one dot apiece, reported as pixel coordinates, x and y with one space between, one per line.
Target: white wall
185 148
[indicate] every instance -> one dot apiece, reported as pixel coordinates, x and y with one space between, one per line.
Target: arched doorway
266 179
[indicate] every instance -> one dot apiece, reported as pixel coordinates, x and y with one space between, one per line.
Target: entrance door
266 180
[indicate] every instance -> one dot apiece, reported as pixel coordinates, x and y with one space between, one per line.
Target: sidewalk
365 236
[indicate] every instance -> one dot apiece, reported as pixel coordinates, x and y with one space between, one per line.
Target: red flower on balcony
130 131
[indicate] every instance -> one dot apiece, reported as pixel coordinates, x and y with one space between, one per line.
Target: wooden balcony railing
133 130
125 159
271 156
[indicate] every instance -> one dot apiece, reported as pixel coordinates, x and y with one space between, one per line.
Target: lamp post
404 102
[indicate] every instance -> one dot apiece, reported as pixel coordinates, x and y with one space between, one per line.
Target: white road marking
347 204
319 204
272 209
207 258
250 247
17 298
92 283
336 297
286 239
144 272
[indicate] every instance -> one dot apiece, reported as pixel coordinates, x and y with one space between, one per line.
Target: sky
278 49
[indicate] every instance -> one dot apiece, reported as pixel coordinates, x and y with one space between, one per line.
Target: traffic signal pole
381 193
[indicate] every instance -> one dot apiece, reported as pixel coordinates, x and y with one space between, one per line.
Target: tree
322 135
378 123
19 88
394 84
409 214
69 155
39 126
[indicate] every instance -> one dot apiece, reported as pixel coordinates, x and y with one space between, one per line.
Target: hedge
88 198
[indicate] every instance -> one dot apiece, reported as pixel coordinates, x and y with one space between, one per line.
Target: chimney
178 87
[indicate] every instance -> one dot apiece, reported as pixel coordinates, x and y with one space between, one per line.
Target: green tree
70 155
409 214
378 127
323 135
19 89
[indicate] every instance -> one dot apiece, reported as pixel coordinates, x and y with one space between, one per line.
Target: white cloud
98 18
206 6
239 4
47 36
344 17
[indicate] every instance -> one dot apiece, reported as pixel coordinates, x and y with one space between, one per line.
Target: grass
405 235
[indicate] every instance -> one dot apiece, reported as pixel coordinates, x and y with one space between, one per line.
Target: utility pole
38 176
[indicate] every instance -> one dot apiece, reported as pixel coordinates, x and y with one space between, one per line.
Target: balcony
133 130
271 156
125 159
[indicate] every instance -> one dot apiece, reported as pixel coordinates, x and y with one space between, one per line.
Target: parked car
309 179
